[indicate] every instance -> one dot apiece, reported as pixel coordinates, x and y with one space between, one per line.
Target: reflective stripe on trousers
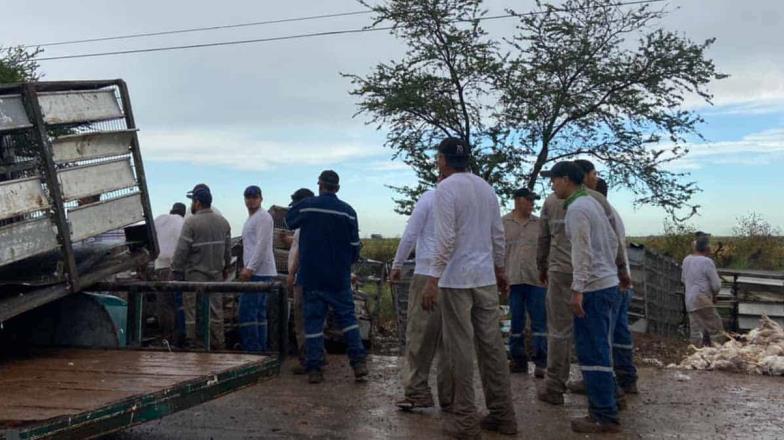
593 338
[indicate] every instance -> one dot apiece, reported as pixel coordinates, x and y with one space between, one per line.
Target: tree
17 64
568 84
578 86
440 88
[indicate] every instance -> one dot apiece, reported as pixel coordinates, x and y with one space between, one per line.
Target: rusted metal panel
78 147
12 113
79 106
21 196
92 220
89 180
25 239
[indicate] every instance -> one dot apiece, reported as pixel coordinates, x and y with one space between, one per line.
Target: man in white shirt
423 328
167 229
595 297
468 273
259 265
702 285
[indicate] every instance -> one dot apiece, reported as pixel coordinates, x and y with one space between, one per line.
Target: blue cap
252 191
201 195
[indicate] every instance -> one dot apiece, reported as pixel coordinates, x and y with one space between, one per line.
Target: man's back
167 228
469 231
554 249
328 243
593 245
701 280
204 246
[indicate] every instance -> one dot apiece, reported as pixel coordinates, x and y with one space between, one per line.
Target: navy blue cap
526 193
252 191
198 186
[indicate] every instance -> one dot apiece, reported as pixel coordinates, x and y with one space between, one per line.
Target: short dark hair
178 209
601 186
300 195
702 244
567 169
456 151
585 164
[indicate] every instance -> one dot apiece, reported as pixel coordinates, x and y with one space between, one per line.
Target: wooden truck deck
83 393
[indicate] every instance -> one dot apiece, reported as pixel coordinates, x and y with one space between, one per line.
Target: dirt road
708 405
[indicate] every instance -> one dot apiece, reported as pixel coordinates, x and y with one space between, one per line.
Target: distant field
760 253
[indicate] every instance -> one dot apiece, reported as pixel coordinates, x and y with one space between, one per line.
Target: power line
291 37
200 29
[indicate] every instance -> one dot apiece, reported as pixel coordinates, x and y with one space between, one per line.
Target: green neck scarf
579 193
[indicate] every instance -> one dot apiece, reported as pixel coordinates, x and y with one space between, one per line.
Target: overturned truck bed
79 393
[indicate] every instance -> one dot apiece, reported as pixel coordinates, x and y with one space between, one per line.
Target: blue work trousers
180 318
526 298
315 307
253 319
623 345
593 336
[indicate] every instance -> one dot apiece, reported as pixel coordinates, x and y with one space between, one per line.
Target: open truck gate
75 212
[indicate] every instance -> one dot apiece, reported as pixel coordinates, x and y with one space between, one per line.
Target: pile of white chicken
760 351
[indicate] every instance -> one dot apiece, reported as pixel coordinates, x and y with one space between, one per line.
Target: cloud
247 152
758 148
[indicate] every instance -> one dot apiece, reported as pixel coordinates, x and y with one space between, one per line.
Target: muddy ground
707 405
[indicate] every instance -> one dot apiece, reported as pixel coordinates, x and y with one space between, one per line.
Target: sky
276 113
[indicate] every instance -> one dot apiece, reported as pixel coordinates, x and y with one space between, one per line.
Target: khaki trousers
705 327
471 325
192 302
423 343
560 330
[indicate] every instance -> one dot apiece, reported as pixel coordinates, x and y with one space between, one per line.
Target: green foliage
380 249
572 84
755 244
17 64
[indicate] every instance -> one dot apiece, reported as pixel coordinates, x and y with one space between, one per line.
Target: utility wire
200 29
291 37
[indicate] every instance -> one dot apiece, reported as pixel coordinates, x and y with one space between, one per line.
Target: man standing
521 230
594 297
328 245
553 258
423 328
259 261
469 272
623 344
295 286
702 285
203 254
168 228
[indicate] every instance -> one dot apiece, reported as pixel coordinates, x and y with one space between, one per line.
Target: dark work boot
315 376
490 423
361 372
550 396
589 425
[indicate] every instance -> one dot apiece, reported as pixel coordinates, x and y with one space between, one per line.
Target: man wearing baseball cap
328 245
259 265
554 261
468 274
527 293
594 297
203 254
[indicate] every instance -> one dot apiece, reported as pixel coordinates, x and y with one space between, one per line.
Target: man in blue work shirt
328 246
